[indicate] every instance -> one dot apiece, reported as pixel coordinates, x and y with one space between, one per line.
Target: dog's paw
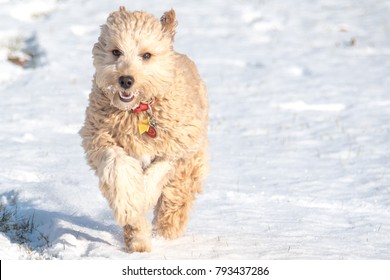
137 239
168 232
139 245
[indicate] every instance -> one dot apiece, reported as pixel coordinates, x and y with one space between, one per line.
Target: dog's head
134 57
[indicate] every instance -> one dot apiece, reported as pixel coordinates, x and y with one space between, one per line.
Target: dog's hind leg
172 210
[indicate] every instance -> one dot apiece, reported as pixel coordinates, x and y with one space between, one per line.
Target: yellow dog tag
143 126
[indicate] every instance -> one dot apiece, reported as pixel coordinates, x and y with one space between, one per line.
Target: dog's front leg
121 183
155 177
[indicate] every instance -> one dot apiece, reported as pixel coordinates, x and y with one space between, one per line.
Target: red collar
142 107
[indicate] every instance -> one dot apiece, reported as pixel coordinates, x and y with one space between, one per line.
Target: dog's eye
146 56
116 53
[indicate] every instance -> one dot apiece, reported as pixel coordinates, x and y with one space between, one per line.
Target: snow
299 129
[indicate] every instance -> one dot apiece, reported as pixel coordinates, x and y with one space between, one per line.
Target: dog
145 129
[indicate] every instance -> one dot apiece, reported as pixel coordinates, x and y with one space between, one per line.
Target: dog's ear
122 9
169 23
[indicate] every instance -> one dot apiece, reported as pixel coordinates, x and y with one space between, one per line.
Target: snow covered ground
299 97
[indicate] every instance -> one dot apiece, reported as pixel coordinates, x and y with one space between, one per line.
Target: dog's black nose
126 81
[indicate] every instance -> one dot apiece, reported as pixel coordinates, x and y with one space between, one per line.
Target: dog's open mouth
126 97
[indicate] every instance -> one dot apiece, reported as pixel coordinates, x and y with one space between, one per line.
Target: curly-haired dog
145 132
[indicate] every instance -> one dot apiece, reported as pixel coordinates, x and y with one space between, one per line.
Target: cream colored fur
136 172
